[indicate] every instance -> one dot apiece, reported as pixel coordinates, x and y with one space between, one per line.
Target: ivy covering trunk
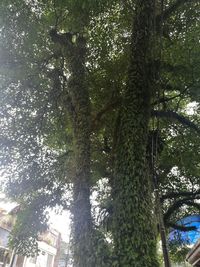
82 220
78 105
64 80
134 236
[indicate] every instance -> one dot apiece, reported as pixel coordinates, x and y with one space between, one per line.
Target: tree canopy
94 91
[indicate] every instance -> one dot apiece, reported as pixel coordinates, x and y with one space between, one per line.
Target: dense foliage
94 91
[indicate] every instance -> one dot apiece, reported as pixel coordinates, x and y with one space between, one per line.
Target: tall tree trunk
134 236
82 219
87 250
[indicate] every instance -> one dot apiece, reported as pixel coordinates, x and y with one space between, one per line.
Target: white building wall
42 258
4 235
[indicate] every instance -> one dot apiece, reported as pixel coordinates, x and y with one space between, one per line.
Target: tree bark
87 250
133 220
81 211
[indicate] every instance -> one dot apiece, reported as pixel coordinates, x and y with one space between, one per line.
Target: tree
165 100
63 83
61 75
133 219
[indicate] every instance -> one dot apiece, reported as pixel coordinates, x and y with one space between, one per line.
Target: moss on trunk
135 243
81 211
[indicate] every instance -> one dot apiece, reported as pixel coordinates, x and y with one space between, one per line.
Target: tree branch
171 9
55 75
175 116
61 38
165 99
163 16
175 206
181 227
155 113
179 194
108 107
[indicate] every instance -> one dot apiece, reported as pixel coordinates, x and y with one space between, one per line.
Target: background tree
47 111
62 77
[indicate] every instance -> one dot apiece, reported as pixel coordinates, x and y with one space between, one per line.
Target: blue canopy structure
187 237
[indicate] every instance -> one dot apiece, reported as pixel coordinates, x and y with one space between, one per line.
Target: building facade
193 256
48 245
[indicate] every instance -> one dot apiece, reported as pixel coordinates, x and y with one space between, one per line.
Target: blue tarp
189 237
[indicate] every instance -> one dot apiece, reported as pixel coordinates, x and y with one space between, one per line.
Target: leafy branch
179 194
181 227
172 115
178 204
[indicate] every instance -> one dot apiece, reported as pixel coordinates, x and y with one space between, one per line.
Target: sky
61 222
